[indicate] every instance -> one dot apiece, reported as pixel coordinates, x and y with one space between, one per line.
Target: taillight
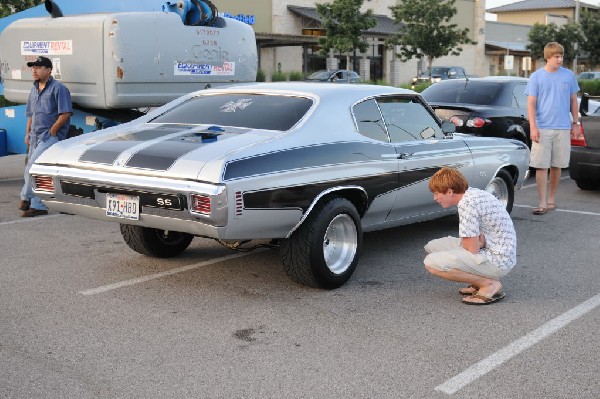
579 141
44 183
477 122
458 122
200 203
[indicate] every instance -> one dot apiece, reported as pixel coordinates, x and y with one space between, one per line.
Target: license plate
123 206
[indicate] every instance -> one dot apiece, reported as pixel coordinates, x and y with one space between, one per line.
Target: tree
567 35
427 30
344 25
8 7
590 26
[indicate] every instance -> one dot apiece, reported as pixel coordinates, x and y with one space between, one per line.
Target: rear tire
584 184
324 250
503 188
154 242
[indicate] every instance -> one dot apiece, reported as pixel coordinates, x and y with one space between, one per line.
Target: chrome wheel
340 244
498 189
502 187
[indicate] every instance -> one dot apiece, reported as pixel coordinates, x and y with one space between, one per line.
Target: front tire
502 187
154 242
324 250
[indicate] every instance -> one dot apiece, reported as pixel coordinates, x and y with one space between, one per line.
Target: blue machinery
194 12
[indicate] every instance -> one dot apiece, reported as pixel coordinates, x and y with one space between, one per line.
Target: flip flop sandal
540 211
552 206
470 290
486 299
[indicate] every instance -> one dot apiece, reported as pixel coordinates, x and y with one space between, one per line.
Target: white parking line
562 210
488 364
25 220
138 280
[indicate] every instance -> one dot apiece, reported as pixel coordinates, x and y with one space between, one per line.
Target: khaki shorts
553 150
446 254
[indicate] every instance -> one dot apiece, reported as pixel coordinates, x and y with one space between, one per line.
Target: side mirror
448 128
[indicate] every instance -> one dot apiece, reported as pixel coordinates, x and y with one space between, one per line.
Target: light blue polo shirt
553 92
44 108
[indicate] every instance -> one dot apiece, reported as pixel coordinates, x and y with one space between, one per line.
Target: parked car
584 166
307 167
441 73
491 106
589 75
337 76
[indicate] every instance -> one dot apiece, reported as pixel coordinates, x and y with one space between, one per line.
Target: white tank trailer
130 59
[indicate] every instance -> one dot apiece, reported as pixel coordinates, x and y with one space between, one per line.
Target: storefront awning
511 47
278 40
385 25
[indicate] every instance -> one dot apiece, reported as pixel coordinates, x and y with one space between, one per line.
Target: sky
497 3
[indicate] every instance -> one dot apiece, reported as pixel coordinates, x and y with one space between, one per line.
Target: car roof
349 92
486 79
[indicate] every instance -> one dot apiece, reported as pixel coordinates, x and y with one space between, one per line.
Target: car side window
407 119
368 120
519 97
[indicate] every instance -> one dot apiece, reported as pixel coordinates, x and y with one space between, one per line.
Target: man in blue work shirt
48 111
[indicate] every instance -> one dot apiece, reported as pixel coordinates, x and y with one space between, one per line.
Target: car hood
173 151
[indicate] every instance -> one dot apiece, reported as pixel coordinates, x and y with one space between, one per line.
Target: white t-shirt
481 212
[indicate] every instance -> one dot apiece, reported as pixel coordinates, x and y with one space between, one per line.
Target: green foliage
8 7
261 76
278 77
344 24
427 31
567 35
5 103
420 87
590 86
590 26
296 76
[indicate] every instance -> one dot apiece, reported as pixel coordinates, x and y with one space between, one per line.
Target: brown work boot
24 205
32 212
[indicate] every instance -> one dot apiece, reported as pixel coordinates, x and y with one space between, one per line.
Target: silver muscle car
302 166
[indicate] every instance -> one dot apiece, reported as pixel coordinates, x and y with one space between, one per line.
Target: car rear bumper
585 163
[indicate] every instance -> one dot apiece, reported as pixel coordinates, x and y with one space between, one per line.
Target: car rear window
471 92
254 111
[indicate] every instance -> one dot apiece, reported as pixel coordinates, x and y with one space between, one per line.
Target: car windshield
439 71
249 110
319 75
471 92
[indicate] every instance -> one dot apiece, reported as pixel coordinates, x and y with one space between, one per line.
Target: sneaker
32 212
24 205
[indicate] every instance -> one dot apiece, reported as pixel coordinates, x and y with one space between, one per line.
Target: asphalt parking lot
83 316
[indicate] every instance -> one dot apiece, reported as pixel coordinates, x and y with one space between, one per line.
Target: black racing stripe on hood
161 156
108 151
306 157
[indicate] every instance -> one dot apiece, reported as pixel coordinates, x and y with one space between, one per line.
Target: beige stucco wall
532 17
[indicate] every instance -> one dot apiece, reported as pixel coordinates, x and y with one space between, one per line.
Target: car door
380 181
421 149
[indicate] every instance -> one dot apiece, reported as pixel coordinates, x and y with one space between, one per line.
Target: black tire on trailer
502 187
155 242
324 250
